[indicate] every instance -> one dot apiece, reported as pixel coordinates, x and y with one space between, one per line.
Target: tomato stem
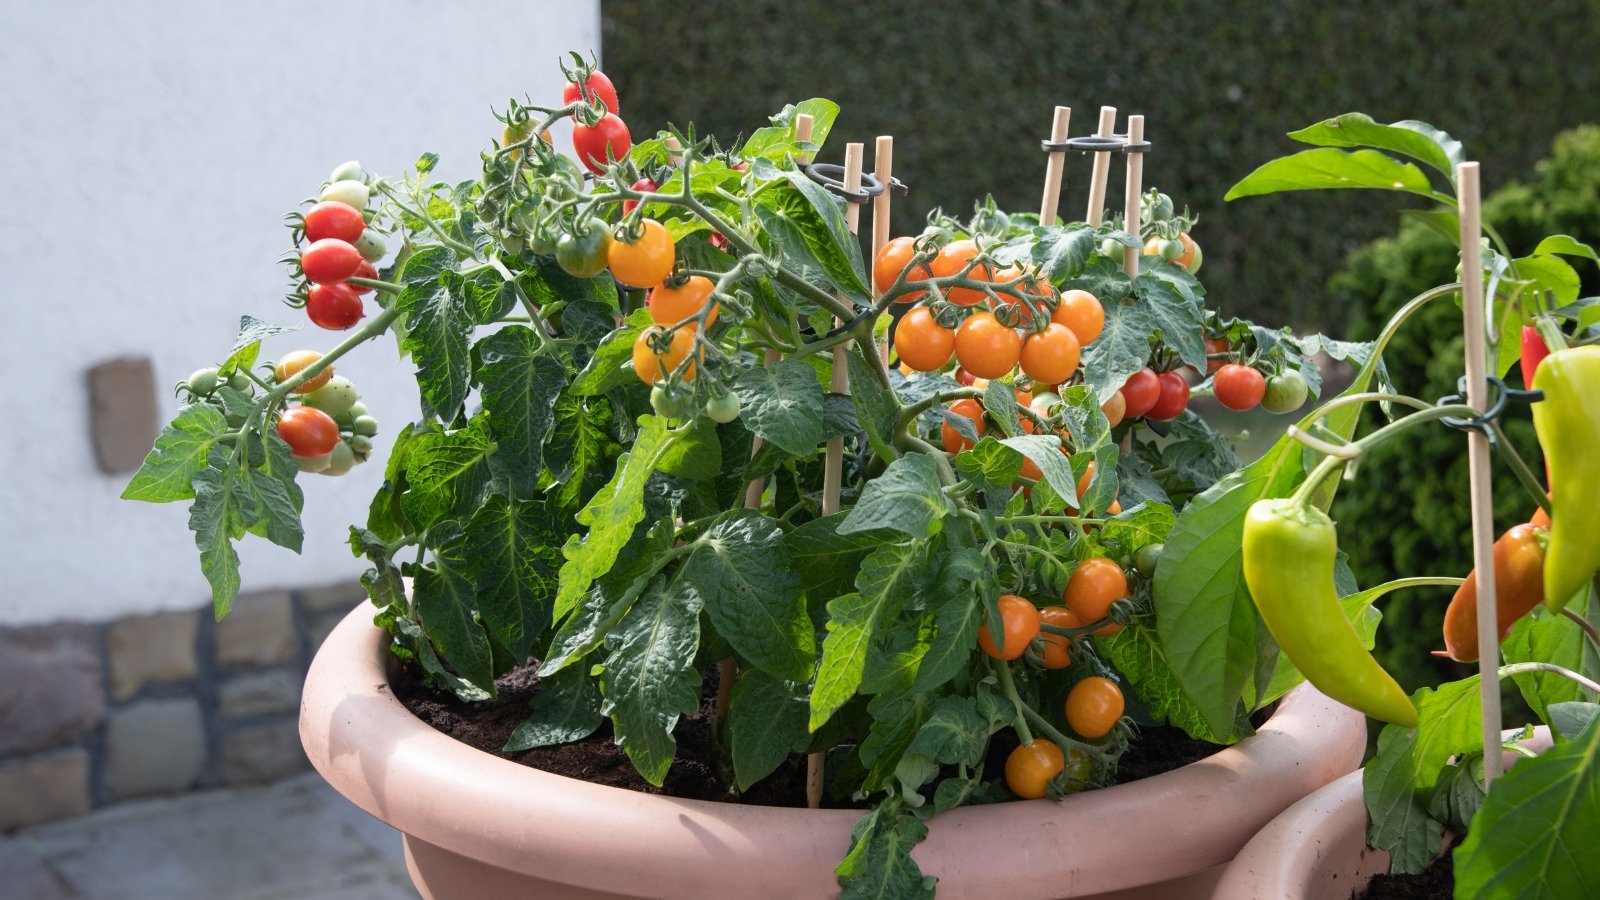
385 286
1002 670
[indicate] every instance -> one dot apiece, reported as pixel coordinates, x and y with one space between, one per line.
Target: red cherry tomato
1239 387
365 270
333 306
643 185
1141 392
335 220
594 143
329 260
1214 346
308 431
599 86
1174 397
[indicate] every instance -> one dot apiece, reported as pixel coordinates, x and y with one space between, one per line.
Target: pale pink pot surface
1317 848
551 836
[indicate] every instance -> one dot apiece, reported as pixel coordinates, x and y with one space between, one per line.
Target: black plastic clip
1095 143
846 326
1483 423
831 175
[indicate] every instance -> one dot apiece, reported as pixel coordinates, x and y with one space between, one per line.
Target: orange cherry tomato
1056 646
670 305
1115 409
1191 253
891 261
954 442
651 367
1093 707
1050 356
1094 586
923 344
950 261
986 347
293 362
1081 311
645 262
1030 767
1020 621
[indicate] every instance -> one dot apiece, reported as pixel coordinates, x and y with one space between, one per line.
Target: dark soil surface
1437 882
697 773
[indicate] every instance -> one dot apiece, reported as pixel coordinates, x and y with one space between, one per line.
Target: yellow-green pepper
1568 423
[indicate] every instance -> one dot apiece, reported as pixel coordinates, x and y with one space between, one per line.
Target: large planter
1317 849
477 826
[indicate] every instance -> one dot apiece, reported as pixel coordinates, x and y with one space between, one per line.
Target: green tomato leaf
883 586
566 709
1418 140
247 345
180 453
906 498
579 442
826 560
783 404
807 225
275 498
777 142
741 569
217 521
648 678
876 408
1045 452
1175 304
968 586
879 866
445 602
1123 346
1330 168
608 600
766 722
520 385
439 326
1137 653
1536 833
511 555
444 471
612 363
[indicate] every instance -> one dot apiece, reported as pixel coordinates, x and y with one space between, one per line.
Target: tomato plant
1239 387
607 139
641 260
335 307
308 431
330 260
986 347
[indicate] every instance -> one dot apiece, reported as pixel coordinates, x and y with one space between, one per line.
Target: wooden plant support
1102 168
1472 314
1132 214
883 170
728 669
1050 204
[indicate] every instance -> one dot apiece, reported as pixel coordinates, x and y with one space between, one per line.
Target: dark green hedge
1407 511
967 89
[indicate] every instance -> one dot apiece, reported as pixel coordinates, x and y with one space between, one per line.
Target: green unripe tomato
364 426
348 191
584 255
357 409
1286 392
313 463
670 401
334 398
1171 249
350 171
371 246
1162 208
512 244
362 445
1112 247
202 382
241 382
723 408
1146 559
341 460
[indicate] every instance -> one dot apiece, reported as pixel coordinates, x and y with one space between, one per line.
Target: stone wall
157 704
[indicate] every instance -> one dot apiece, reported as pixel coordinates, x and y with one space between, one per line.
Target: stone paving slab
294 840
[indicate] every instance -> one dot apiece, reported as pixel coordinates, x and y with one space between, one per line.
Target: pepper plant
607 362
1530 836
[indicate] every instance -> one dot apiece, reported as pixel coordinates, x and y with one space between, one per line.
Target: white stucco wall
150 150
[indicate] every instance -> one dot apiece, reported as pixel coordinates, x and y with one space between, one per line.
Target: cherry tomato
595 143
950 261
1115 409
645 262
1174 397
1095 584
652 367
598 86
670 305
328 261
891 261
1191 256
1050 356
293 362
349 191
963 377
1056 646
923 344
671 402
1286 392
1081 311
371 246
723 408
516 134
954 441
1239 387
1020 620
336 398
334 220
308 431
1031 766
1148 557
365 270
333 306
1093 707
1141 392
643 185
986 347
584 255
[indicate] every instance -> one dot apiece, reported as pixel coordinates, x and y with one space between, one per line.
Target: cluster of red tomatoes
330 431
340 246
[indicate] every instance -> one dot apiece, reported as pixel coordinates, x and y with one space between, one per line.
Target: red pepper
1534 350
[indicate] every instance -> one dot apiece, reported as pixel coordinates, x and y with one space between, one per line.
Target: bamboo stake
1132 214
1472 316
1102 169
728 669
833 461
1051 202
883 168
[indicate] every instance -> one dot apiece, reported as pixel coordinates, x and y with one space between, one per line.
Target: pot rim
381 757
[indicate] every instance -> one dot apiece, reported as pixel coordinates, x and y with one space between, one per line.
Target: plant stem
1587 626
1553 669
1008 687
375 326
387 287
1519 468
1354 449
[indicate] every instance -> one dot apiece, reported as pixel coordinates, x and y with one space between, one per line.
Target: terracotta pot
477 826
1317 849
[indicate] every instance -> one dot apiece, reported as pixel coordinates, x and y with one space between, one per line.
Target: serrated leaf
216 520
967 585
648 678
607 601
1174 300
612 363
276 499
1418 140
876 408
741 569
520 385
444 603
579 442
883 584
777 141
766 722
1045 452
906 498
1330 168
179 454
826 560
439 325
566 709
247 345
1136 653
696 454
510 554
442 468
783 404
807 226
879 866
